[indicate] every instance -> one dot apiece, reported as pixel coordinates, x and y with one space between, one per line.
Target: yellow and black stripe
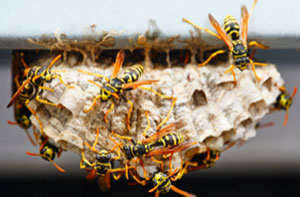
103 163
172 139
133 73
163 182
283 101
232 27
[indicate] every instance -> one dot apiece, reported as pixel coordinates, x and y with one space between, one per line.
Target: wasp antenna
33 154
57 167
153 189
12 123
286 117
295 91
53 61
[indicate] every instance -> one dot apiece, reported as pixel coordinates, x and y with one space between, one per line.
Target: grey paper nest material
215 111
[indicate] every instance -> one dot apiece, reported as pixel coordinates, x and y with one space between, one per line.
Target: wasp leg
254 43
36 117
170 163
145 172
129 113
233 74
122 137
253 68
96 140
93 105
165 97
83 159
46 88
142 182
211 57
30 138
148 124
181 192
17 81
260 64
108 111
94 74
45 102
180 173
202 28
62 81
159 162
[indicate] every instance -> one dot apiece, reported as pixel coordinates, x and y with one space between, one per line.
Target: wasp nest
214 110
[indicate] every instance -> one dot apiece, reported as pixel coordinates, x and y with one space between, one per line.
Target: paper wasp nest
215 111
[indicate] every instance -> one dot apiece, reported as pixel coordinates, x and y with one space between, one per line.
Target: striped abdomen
133 73
27 92
172 139
232 27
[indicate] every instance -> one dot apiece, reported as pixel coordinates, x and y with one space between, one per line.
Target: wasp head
284 101
48 153
103 156
158 180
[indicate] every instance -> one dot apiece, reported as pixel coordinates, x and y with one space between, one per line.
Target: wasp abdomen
232 27
133 73
172 139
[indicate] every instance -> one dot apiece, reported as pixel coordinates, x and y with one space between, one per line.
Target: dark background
267 165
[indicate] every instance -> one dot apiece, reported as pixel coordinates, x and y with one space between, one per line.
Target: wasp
237 44
167 142
102 167
114 87
35 77
162 185
22 116
153 145
284 101
48 152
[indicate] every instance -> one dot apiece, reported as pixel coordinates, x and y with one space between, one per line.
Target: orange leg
93 105
36 117
233 74
253 68
108 111
181 192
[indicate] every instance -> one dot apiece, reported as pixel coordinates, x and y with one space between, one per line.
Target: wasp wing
162 132
244 24
104 182
164 151
92 175
118 63
220 31
13 98
136 84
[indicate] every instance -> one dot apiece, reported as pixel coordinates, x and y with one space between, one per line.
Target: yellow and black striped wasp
21 112
48 152
22 117
157 144
162 185
114 86
35 78
237 44
102 167
284 101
